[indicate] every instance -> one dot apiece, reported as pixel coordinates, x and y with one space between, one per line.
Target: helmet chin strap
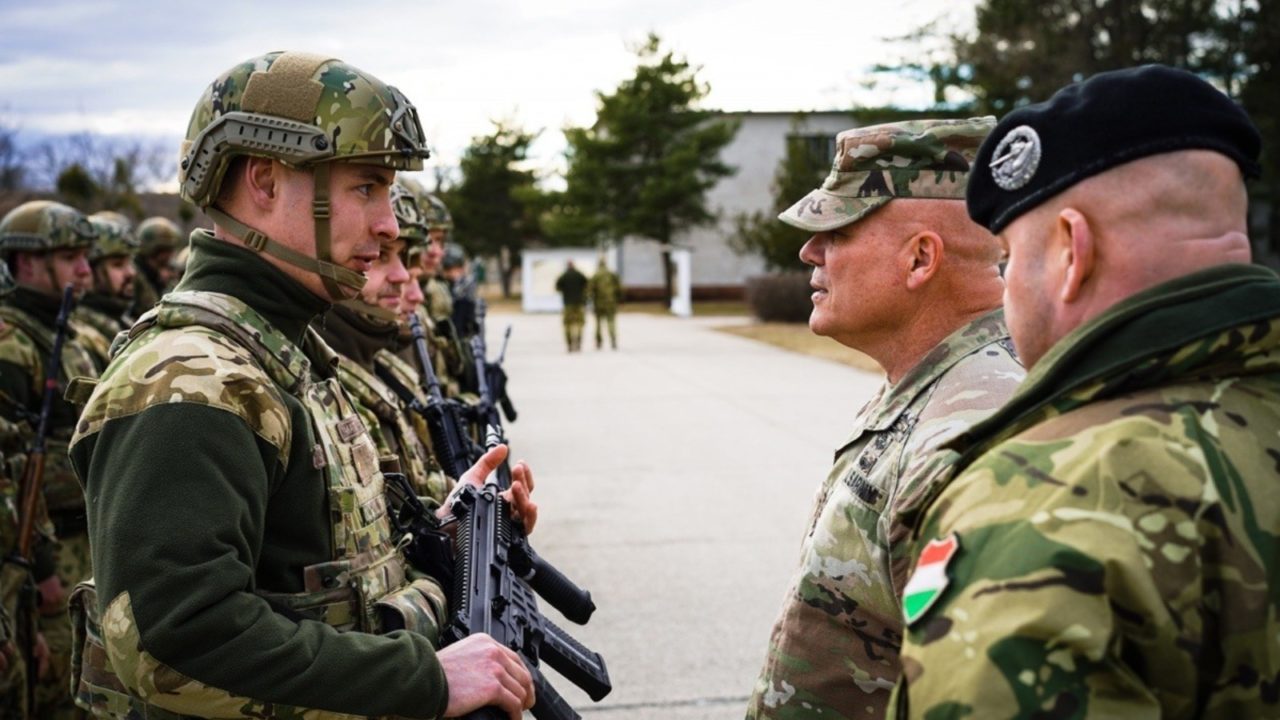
374 311
334 276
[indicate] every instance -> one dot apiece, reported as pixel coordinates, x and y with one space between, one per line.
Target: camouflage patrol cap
301 109
115 236
44 225
920 159
158 233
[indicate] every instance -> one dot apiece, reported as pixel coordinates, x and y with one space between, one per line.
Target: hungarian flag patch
930 577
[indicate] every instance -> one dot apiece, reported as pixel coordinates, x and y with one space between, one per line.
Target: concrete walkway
674 479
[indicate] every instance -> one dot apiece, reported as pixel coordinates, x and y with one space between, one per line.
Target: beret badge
1016 158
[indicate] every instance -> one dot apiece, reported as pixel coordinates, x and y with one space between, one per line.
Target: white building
756 151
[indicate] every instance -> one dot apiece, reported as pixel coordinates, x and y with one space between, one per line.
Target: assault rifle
495 571
491 378
33 477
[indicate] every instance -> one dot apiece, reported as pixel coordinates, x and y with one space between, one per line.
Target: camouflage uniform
604 290
221 441
834 648
572 286
1117 522
26 344
155 235
100 315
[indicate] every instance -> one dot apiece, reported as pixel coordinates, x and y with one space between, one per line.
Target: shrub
780 297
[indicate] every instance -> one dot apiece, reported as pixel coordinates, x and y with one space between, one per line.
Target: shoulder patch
930 579
190 364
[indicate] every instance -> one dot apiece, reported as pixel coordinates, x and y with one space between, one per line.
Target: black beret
1037 151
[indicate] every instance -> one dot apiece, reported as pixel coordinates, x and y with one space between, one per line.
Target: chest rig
62 492
364 585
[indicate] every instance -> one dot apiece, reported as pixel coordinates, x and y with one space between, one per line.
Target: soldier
158 238
362 328
439 227
436 309
221 443
19 637
604 290
101 315
46 246
572 286
1108 546
901 274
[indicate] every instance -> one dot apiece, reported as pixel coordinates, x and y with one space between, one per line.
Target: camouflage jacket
834 649
95 330
245 559
1109 545
26 342
604 291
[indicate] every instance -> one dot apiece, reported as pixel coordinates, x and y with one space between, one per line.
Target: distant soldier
572 286
46 245
605 292
1109 546
158 241
102 312
902 274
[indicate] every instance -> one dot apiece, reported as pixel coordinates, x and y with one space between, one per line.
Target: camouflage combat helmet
44 225
115 236
156 234
413 227
306 111
454 256
437 213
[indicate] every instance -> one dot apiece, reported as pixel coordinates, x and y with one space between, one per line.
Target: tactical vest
61 487
95 330
365 585
438 483
385 415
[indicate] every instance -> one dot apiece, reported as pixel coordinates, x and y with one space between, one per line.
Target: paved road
674 478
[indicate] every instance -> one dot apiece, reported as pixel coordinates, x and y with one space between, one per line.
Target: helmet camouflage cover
158 233
437 213
301 109
404 202
115 236
306 111
44 225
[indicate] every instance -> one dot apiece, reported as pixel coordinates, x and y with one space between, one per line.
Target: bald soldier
1109 545
900 273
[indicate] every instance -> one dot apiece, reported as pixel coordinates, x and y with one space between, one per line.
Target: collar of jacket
218 266
1203 324
355 335
879 414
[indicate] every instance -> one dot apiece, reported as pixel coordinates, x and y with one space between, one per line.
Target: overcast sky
137 67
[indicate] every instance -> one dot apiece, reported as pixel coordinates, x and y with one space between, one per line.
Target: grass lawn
797 337
706 308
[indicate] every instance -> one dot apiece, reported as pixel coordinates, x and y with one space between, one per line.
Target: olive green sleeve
182 497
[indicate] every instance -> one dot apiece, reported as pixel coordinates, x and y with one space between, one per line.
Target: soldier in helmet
572 286
20 638
223 441
900 273
46 246
368 327
158 238
101 314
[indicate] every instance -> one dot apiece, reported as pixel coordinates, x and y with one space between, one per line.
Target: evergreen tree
645 166
496 205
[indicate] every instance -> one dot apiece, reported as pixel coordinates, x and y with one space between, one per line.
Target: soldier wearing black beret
1108 544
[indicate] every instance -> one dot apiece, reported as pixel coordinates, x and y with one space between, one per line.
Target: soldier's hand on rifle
482 673
523 508
52 595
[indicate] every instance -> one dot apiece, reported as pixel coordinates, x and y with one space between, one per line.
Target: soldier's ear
924 252
261 181
1077 250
